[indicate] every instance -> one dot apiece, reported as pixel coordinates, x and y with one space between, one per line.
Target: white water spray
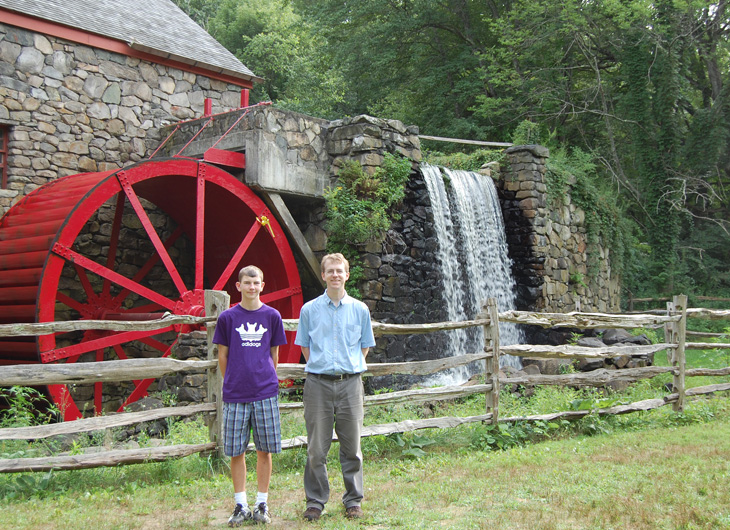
473 256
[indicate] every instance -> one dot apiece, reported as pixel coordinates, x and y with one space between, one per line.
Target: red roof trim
106 43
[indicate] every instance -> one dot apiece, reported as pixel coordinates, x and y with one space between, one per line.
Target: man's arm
275 356
222 359
305 352
365 352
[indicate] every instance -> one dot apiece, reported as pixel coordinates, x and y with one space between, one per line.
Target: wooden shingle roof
157 27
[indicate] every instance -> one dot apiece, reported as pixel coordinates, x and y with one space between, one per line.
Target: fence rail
673 320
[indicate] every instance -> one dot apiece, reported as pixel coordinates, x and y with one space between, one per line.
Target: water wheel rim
210 184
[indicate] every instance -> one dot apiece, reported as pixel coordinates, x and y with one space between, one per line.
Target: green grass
647 470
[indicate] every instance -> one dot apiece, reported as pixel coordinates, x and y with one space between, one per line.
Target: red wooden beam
225 158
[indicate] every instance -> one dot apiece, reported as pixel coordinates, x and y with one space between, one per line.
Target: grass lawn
647 470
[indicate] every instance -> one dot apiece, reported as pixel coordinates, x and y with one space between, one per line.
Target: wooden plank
47 328
296 371
215 303
419 395
704 334
101 422
380 328
462 141
103 459
680 304
491 364
284 216
105 371
708 389
567 351
696 372
424 395
709 314
129 369
598 377
587 320
707 346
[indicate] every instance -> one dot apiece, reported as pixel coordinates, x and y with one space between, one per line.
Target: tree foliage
642 86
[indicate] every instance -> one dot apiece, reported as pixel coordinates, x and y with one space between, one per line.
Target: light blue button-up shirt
335 335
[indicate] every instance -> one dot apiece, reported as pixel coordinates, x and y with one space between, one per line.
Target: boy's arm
275 356
222 359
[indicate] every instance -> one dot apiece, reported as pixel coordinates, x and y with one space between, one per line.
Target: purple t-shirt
249 335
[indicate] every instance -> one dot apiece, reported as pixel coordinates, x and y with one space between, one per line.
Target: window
3 157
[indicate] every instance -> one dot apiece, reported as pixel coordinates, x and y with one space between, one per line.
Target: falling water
473 256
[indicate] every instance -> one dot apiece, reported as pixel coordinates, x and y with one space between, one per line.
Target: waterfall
473 256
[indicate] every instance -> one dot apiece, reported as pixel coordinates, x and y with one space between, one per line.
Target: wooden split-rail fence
673 320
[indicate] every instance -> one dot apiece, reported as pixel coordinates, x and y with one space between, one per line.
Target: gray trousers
328 403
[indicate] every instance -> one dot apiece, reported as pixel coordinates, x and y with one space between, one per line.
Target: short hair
337 258
251 271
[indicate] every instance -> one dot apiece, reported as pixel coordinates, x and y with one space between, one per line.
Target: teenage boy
248 336
335 334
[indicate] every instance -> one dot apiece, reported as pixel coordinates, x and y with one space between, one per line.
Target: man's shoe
239 515
353 512
312 514
261 513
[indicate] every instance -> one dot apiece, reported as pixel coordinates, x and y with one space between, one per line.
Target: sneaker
312 514
353 512
239 515
261 513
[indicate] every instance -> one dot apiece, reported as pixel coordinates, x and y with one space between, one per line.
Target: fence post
680 304
491 364
215 303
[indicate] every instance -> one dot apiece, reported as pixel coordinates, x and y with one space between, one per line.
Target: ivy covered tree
639 85
277 44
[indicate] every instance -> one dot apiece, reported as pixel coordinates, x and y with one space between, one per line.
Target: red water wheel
132 244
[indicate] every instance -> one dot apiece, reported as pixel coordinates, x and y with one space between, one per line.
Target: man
248 336
335 334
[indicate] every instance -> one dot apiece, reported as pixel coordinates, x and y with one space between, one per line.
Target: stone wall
555 267
73 109
285 151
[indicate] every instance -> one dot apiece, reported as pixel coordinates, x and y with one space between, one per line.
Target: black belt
337 377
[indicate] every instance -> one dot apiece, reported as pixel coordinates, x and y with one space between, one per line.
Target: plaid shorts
239 419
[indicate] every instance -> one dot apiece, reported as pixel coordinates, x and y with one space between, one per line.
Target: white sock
262 497
241 498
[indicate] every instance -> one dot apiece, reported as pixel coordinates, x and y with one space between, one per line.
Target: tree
275 42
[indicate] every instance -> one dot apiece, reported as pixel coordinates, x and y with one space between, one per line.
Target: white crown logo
250 332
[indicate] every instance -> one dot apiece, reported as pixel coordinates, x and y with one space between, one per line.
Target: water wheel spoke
230 269
114 240
120 352
100 343
152 233
83 309
113 276
85 283
159 346
123 356
140 391
147 308
63 400
281 294
200 228
147 267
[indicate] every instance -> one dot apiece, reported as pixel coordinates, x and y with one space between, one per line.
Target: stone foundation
548 243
